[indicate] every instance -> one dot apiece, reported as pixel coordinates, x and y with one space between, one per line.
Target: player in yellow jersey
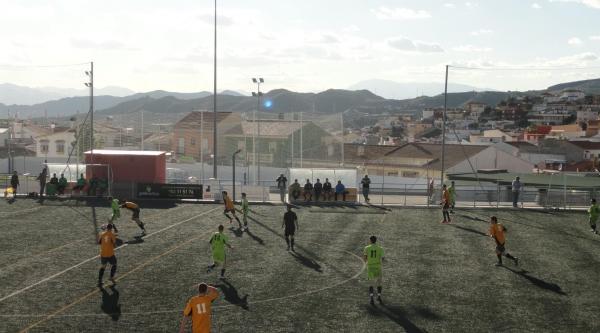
107 241
199 308
373 257
218 241
497 232
230 208
135 209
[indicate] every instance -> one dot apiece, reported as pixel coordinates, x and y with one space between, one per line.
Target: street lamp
233 170
90 85
257 94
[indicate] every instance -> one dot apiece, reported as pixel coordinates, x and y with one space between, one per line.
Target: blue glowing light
268 104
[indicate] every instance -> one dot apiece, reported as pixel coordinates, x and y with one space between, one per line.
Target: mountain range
408 90
280 101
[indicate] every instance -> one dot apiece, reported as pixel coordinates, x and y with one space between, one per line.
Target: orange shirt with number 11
199 307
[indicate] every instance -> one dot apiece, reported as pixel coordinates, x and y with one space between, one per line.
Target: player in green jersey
452 192
218 241
116 212
373 257
245 210
594 212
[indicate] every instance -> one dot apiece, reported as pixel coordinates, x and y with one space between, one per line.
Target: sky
303 45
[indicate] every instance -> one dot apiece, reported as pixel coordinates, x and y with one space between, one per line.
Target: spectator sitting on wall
62 184
54 180
308 187
295 190
327 190
318 187
340 189
93 186
102 186
80 183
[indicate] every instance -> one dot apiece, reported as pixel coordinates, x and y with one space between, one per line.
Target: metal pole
444 127
215 101
292 150
342 141
233 171
92 112
254 144
301 139
201 143
142 131
258 135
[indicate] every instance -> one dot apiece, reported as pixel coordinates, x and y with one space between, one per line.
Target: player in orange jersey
199 308
107 241
497 232
230 208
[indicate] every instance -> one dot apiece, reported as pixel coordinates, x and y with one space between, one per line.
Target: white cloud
471 4
221 20
595 38
589 3
536 5
386 13
105 45
449 5
471 49
405 44
481 32
574 41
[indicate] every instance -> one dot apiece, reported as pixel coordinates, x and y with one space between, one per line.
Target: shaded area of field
437 277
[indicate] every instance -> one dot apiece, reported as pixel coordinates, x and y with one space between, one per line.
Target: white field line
17 292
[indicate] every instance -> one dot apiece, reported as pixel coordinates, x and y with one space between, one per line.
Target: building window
44 146
60 146
392 173
193 141
410 174
272 147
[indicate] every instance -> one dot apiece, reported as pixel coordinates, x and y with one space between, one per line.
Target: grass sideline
437 278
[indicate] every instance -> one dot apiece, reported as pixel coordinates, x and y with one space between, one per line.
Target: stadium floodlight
87 73
255 140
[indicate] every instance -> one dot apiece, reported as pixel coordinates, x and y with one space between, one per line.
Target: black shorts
500 248
136 213
290 231
111 260
446 206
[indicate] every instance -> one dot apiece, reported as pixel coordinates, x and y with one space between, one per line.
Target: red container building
128 166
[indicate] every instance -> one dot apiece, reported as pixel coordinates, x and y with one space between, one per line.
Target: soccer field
437 278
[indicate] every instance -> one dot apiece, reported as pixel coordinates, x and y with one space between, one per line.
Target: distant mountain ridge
282 101
407 90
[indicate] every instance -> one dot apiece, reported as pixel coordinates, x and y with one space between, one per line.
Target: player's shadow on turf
135 240
472 218
308 262
553 287
237 231
232 296
469 230
395 314
256 238
110 303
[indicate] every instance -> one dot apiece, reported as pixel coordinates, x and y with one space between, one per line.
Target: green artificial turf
437 278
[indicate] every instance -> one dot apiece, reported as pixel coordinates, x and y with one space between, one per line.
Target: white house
3 136
55 145
498 156
572 95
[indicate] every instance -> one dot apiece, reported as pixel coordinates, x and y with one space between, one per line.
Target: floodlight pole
91 86
215 101
258 94
444 127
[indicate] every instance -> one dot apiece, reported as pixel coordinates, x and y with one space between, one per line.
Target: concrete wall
492 158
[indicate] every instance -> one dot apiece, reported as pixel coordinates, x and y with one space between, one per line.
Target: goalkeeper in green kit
116 211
